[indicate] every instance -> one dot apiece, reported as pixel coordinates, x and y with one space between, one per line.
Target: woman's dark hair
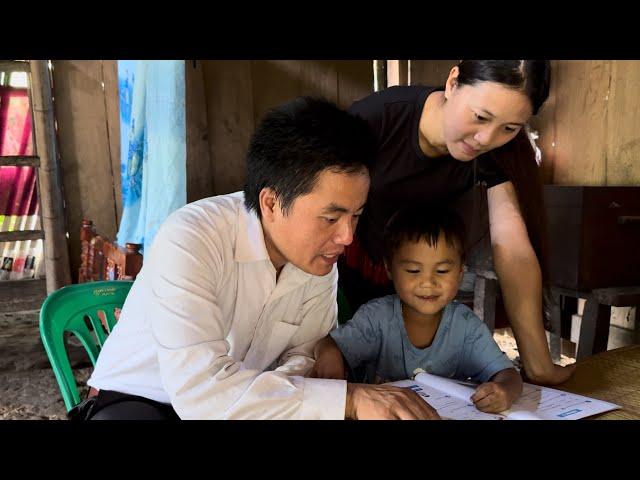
296 142
532 77
426 222
517 157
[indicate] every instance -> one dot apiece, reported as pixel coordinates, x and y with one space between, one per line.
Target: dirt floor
28 388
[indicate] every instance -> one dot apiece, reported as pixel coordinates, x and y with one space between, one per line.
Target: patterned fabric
18 193
153 146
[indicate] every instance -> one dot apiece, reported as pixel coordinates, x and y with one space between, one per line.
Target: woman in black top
434 146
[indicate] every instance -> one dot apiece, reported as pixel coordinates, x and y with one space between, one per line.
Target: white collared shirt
207 328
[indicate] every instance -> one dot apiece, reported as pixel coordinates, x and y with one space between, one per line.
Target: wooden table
612 376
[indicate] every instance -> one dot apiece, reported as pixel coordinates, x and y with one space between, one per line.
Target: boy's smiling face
426 277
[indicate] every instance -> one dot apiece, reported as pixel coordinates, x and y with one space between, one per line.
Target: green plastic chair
65 310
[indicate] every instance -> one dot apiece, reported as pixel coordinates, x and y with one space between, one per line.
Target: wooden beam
112 107
21 235
14 66
19 161
56 253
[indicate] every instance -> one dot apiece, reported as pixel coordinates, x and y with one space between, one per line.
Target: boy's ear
462 270
386 267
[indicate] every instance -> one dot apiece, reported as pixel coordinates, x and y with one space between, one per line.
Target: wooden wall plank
230 118
623 124
355 80
319 78
239 93
84 150
581 122
199 169
274 82
430 72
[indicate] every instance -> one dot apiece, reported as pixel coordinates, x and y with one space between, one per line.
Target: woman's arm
520 279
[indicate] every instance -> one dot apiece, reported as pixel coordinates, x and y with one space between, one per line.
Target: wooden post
379 75
56 253
555 335
594 329
484 301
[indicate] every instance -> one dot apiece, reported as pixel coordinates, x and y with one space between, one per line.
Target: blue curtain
153 146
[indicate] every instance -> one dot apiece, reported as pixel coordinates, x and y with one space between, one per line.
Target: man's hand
385 402
329 361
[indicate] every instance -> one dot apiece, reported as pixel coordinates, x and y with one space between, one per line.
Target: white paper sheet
451 398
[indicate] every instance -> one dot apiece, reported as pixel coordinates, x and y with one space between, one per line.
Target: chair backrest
72 309
102 259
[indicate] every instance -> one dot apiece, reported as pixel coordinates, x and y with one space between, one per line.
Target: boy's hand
329 368
329 361
491 397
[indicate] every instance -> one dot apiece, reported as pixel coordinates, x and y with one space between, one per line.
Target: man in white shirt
237 289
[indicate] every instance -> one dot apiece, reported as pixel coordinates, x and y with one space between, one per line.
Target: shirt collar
251 247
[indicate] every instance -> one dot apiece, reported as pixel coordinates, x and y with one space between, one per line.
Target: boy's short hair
297 141
415 223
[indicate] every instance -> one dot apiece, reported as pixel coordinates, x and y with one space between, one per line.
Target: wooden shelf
14 66
21 235
20 161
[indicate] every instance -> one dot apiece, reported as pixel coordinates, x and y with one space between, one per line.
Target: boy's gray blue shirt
462 347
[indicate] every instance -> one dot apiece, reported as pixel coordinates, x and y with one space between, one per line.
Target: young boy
422 327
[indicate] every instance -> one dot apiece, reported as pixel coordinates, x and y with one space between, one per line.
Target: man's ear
268 204
452 82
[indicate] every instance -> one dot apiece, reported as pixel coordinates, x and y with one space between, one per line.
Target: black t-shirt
401 174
